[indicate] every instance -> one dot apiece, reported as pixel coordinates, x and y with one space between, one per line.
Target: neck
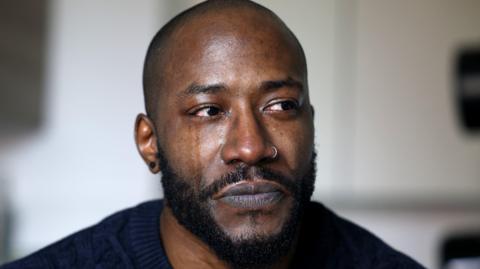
185 250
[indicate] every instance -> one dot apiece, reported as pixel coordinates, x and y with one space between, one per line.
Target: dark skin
233 88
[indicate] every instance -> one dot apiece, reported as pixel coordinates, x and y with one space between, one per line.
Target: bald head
224 22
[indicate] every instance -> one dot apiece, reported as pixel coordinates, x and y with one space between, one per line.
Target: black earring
152 165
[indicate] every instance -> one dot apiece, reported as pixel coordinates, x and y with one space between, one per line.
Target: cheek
295 141
193 152
208 146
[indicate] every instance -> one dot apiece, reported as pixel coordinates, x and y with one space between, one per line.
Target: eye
206 111
284 105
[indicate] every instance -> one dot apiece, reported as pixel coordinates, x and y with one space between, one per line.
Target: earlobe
146 141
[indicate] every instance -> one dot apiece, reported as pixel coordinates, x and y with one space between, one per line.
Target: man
230 126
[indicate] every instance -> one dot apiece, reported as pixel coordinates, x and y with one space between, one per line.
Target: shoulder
342 244
98 244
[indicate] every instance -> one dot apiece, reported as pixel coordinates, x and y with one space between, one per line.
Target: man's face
235 129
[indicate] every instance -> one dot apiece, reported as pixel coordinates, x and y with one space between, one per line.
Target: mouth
252 195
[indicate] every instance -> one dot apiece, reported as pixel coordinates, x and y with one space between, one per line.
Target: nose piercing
275 152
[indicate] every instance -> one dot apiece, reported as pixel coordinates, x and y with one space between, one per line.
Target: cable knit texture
131 239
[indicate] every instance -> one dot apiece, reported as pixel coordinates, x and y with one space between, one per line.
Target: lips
251 194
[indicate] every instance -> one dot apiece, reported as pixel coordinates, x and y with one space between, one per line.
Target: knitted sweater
131 239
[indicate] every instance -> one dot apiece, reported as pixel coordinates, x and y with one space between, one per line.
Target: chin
250 224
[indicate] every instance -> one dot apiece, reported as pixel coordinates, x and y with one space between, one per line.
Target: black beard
191 209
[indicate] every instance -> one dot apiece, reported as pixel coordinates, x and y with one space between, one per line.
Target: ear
146 140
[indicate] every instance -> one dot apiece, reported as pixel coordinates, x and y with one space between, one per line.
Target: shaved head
218 16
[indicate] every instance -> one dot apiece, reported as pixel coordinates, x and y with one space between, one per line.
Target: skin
236 55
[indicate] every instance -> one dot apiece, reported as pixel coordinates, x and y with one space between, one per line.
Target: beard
192 210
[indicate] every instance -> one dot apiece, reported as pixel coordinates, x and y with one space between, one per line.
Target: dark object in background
23 37
468 88
461 251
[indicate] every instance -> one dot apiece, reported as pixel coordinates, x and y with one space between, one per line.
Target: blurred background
395 85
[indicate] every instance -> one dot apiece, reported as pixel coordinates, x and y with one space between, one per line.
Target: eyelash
292 103
196 111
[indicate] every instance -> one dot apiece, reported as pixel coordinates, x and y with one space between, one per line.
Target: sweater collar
145 236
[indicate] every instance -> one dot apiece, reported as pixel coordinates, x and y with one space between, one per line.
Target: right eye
206 111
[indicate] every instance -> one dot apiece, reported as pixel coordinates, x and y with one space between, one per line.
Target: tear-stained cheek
211 140
193 150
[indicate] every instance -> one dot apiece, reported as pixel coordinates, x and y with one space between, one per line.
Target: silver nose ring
275 152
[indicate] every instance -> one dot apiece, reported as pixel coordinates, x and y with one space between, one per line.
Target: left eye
283 106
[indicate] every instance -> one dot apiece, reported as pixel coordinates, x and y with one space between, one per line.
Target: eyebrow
271 85
194 89
276 84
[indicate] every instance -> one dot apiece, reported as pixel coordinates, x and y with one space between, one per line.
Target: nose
247 142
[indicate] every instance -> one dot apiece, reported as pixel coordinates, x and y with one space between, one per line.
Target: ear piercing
152 165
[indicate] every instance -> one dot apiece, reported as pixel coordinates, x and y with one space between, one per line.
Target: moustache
243 173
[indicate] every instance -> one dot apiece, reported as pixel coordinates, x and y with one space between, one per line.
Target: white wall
407 139
411 175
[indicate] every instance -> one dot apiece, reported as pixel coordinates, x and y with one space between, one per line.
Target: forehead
230 47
